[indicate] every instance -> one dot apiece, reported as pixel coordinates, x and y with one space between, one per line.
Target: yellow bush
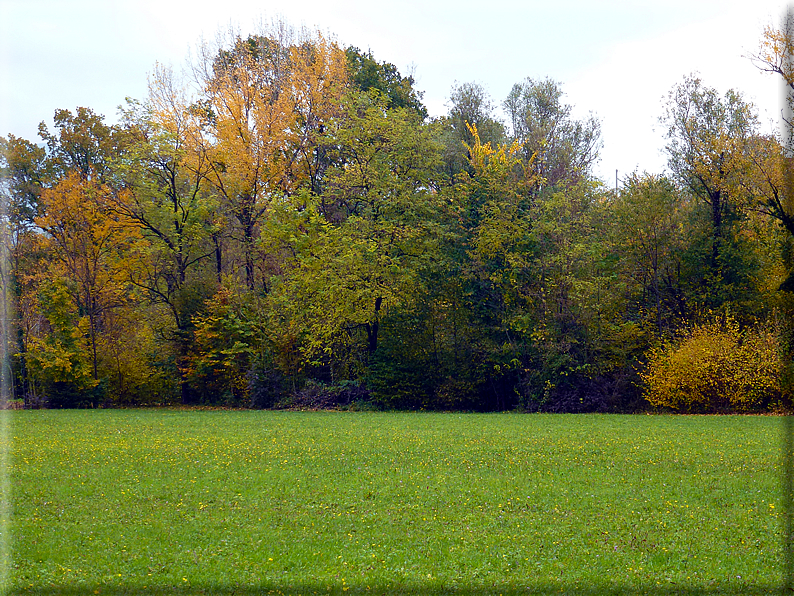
716 367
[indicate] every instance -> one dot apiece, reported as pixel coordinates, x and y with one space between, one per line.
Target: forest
285 226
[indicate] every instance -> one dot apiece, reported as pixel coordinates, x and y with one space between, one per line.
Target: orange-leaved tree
90 245
266 100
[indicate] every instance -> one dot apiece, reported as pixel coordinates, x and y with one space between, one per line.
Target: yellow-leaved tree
266 100
89 245
773 174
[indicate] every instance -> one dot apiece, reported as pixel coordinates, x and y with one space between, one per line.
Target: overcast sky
617 59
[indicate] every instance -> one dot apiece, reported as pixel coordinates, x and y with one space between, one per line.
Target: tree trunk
716 222
249 258
373 327
23 366
218 257
92 323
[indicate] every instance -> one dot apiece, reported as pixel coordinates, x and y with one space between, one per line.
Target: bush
716 367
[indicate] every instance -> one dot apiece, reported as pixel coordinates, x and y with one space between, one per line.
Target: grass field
245 502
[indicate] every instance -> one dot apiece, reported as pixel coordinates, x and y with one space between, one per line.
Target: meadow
251 502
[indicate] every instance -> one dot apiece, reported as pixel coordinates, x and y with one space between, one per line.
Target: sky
615 58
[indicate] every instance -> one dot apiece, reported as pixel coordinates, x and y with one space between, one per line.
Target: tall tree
168 196
648 217
267 98
774 171
564 148
90 243
23 175
367 74
361 244
470 107
81 142
774 55
708 141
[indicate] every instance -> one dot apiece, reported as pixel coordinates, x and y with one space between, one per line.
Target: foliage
316 395
647 228
362 244
90 243
708 143
82 143
716 367
59 356
268 99
368 74
131 369
290 228
23 170
223 351
470 109
773 159
562 149
775 49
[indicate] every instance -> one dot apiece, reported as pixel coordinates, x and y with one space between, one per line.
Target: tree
168 197
23 175
497 249
774 56
708 143
774 160
90 242
22 167
648 218
531 281
267 99
168 188
470 107
498 217
367 74
225 347
82 143
562 149
359 247
59 353
568 295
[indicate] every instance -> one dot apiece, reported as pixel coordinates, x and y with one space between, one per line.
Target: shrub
716 367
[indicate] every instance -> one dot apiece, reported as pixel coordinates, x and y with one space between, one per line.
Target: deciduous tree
267 98
470 107
708 144
774 165
90 241
361 245
368 74
648 217
23 175
81 142
562 149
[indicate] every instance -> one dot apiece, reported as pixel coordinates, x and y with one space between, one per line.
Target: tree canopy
290 227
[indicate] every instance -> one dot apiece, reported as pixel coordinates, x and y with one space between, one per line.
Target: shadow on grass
397 589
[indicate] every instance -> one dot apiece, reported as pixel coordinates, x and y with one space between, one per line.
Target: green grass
244 502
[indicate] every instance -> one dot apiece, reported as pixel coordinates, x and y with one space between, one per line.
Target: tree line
288 227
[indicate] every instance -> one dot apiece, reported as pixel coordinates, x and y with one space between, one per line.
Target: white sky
616 58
